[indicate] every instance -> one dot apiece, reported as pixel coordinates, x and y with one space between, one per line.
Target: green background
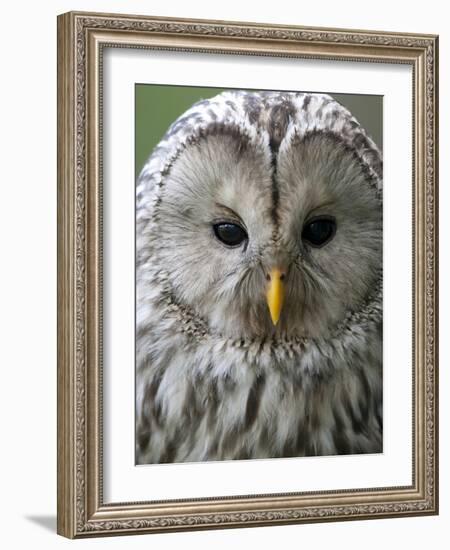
157 106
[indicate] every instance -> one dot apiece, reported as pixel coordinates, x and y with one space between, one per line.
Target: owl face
268 222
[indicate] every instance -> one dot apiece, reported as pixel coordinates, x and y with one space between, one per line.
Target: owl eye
230 234
319 231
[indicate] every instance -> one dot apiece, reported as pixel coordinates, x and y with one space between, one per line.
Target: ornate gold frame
81 38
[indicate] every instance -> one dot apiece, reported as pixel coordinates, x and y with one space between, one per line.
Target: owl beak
275 293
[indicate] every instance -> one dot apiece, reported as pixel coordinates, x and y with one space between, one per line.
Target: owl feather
259 283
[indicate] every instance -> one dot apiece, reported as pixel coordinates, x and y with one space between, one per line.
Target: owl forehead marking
278 122
271 115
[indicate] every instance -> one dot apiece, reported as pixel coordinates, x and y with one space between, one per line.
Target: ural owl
259 283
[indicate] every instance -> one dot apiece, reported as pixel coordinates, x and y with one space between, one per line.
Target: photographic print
259 240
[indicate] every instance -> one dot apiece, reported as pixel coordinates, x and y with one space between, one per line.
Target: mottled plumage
218 376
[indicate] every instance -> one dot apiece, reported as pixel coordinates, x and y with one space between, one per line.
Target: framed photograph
247 274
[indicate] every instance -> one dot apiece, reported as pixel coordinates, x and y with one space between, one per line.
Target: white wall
28 268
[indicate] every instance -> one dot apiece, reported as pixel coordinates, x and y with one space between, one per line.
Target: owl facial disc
275 293
247 187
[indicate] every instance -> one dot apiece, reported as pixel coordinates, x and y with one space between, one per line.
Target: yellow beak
275 294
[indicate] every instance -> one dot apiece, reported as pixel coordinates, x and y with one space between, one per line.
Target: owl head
260 216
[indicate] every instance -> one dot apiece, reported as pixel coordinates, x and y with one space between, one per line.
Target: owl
259 283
